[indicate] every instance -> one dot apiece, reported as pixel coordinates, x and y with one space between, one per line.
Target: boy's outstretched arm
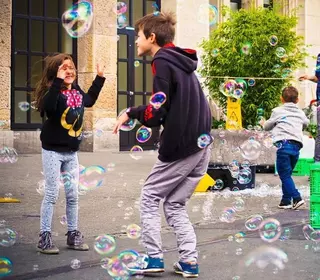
306 121
270 123
147 114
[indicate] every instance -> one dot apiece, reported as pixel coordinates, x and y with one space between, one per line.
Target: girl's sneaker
187 269
75 241
46 245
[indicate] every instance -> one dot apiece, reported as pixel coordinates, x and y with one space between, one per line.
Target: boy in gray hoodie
287 122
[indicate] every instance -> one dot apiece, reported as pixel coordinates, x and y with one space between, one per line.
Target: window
134 83
235 5
36 32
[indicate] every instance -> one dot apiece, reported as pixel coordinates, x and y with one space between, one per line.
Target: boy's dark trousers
287 157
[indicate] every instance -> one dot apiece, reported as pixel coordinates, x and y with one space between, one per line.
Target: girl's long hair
50 70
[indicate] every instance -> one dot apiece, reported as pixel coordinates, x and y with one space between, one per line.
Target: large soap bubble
250 149
265 256
78 19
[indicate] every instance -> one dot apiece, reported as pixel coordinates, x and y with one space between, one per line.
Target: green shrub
253 27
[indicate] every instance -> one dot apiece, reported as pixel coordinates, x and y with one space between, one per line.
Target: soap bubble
245 164
75 264
239 237
129 259
91 177
105 263
238 204
222 133
238 251
120 8
307 231
121 21
8 155
215 52
286 234
136 63
117 269
253 222
207 14
24 106
273 40
78 19
246 48
270 230
133 231
135 152
250 149
266 255
244 176
218 185
251 82
143 134
63 220
8 237
129 125
228 215
268 142
227 88
104 244
158 99
5 266
280 52
204 140
234 168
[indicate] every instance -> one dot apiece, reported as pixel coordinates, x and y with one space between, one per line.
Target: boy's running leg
296 196
285 170
163 179
51 162
177 217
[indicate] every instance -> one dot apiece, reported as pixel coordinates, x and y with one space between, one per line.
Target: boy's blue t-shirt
317 73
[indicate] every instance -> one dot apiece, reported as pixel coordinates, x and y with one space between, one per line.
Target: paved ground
100 213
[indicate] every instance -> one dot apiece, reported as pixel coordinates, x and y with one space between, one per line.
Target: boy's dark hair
290 94
161 24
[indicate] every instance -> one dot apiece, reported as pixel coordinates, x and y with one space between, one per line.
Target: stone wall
100 46
5 74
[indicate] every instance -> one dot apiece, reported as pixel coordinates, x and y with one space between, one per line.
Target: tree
258 43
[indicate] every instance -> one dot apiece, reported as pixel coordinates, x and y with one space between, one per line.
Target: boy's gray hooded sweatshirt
287 122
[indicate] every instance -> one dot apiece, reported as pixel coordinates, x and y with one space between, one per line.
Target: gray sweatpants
317 142
174 182
55 164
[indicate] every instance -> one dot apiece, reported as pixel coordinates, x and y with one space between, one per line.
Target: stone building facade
101 44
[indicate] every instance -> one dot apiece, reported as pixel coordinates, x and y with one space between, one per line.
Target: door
134 74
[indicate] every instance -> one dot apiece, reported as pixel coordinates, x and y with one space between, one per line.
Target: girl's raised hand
62 71
100 70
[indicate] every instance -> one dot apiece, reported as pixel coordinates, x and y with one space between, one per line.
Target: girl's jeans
60 169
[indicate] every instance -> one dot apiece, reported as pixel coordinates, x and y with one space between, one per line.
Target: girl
62 102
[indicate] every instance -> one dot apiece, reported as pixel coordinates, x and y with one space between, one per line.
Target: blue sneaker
155 265
187 269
